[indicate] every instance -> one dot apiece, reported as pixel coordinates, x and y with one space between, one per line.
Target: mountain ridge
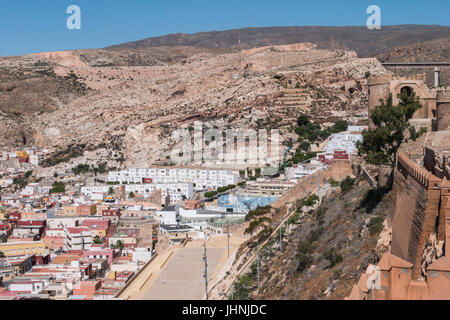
357 38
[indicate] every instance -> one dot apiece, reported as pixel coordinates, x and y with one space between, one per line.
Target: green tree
131 195
58 187
302 120
119 245
2 255
311 200
339 126
392 128
305 146
111 190
97 240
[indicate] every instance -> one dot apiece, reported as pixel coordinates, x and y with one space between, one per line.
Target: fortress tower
381 86
443 110
379 89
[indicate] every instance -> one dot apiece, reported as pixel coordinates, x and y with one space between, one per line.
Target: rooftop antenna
236 75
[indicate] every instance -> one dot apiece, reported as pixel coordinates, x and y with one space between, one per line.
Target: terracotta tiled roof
442 264
389 260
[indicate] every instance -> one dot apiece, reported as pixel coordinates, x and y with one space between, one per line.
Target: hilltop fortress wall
435 111
338 171
417 195
422 208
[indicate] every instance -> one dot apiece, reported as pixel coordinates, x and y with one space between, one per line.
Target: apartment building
79 210
201 178
10 249
78 238
175 191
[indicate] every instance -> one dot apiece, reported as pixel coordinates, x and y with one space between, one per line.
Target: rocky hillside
428 51
122 106
365 42
325 252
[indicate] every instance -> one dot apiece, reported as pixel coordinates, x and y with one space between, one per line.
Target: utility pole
228 239
258 275
318 184
281 226
205 260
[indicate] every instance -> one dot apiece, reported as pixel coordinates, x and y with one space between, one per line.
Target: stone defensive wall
338 170
417 195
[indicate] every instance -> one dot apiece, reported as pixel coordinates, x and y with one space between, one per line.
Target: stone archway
408 89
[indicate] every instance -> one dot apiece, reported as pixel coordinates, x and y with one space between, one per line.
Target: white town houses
176 191
345 141
201 179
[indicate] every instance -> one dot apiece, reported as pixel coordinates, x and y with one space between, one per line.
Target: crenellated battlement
420 174
389 77
380 79
416 77
443 95
421 212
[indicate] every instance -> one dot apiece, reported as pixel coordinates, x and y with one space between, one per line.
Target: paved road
182 278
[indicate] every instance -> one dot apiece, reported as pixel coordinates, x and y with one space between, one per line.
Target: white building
29 286
176 191
345 141
201 178
303 170
77 238
141 254
168 215
31 189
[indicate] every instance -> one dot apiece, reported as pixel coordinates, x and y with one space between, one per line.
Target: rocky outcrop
133 105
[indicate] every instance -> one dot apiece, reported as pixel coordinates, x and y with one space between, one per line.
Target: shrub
81 168
210 194
304 255
376 225
333 257
373 198
315 234
321 214
347 184
334 183
311 200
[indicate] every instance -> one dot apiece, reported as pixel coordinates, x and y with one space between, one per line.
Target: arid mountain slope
360 39
429 51
325 253
125 111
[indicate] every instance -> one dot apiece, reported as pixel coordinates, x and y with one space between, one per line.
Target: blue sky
28 26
